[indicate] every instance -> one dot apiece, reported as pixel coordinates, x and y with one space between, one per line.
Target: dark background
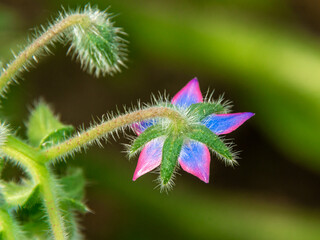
264 55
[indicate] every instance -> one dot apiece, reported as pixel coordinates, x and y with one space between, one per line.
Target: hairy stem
40 174
48 189
23 154
109 126
37 45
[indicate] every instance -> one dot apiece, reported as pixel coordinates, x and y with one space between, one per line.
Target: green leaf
73 184
31 220
71 203
44 128
204 135
170 153
56 136
72 194
149 134
19 195
202 110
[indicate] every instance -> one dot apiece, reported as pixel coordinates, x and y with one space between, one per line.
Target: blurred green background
264 55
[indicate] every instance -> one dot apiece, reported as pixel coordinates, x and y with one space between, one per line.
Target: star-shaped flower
188 148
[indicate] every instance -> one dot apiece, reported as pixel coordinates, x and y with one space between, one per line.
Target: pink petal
226 123
195 159
188 95
150 158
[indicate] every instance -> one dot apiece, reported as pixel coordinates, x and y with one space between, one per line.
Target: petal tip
250 114
135 177
150 158
194 80
189 94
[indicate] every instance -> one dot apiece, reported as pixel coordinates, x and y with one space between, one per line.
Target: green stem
39 44
104 128
23 154
40 174
48 188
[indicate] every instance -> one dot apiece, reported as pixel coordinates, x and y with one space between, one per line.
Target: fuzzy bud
97 43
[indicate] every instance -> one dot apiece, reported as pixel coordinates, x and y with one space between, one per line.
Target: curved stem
101 130
51 35
40 174
23 154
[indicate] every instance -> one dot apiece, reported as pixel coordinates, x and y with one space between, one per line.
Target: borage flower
187 143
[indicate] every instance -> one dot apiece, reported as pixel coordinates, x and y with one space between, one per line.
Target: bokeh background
263 55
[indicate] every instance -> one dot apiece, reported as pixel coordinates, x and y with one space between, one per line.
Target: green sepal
44 128
19 195
170 153
202 110
149 134
204 135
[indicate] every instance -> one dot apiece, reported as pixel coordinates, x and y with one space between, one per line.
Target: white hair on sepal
170 184
235 154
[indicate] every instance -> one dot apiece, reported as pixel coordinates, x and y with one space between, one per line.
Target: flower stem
37 45
104 128
40 174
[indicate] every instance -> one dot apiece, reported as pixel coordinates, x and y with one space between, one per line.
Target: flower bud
97 43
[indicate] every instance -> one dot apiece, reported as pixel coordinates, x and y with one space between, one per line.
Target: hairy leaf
71 203
19 195
73 184
44 128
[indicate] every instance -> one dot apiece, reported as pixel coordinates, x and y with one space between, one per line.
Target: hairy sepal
204 135
149 134
170 153
44 128
202 110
